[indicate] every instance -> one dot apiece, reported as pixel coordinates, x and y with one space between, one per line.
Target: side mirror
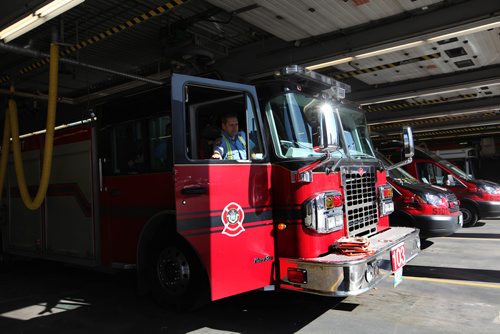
326 136
409 147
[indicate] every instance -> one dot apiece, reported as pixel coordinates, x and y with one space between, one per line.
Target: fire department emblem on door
232 217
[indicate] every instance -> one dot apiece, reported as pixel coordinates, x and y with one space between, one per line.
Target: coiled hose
11 128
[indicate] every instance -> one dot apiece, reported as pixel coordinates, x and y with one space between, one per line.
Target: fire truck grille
360 200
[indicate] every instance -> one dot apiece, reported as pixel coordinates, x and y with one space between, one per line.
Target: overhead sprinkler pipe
39 54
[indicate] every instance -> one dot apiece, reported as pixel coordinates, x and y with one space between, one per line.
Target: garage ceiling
439 73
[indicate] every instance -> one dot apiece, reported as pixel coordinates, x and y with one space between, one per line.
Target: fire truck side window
138 146
205 109
128 148
160 143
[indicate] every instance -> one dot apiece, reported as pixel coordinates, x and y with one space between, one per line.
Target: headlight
323 213
433 199
490 189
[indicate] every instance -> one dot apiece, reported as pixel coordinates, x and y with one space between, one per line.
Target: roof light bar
300 73
36 18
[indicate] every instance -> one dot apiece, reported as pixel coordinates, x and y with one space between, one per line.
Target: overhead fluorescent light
389 100
465 31
36 18
454 89
460 135
390 49
419 118
330 63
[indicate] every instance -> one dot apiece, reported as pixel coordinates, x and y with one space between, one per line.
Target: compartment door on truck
223 206
63 228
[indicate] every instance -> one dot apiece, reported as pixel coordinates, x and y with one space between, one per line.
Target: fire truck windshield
293 120
357 138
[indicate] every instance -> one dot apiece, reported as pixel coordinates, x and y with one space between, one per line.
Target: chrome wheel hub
173 271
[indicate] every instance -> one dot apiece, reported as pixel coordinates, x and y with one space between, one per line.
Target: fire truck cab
137 188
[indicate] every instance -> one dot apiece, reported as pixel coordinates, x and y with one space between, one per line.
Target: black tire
178 280
470 215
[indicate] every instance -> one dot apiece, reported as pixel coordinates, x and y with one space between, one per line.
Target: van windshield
460 173
455 169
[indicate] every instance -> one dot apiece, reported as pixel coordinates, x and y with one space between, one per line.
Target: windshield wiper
329 170
361 155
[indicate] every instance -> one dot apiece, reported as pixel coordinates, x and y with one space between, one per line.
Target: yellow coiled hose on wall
11 128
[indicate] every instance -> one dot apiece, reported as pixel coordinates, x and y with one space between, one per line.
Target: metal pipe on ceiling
39 54
37 96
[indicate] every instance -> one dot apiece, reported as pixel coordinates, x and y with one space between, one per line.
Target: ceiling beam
416 87
434 110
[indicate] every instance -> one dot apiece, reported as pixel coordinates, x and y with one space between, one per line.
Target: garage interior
433 65
429 64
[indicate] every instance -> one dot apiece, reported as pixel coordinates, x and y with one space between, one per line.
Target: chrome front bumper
340 275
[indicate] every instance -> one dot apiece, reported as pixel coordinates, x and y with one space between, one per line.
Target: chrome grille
360 200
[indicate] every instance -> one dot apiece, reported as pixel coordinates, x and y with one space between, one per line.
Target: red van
478 198
432 209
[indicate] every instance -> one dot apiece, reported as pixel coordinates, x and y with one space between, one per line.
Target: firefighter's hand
216 155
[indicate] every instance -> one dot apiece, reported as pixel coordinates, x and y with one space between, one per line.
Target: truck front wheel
470 215
178 279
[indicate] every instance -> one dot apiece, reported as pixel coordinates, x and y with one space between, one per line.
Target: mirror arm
400 164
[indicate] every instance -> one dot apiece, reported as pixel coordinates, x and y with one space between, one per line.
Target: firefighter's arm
218 149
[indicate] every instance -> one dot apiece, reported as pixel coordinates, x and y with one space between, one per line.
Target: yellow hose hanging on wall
11 128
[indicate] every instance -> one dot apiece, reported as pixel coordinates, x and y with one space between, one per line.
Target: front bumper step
341 275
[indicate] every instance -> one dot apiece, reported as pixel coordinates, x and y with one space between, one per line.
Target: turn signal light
296 275
333 201
385 191
281 226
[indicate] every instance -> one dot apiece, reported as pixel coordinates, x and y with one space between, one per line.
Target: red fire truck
136 188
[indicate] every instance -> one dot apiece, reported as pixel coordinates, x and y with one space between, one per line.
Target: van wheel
470 215
178 279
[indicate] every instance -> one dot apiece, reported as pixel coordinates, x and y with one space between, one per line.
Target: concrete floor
453 286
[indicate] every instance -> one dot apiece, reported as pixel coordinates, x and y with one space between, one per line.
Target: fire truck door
223 206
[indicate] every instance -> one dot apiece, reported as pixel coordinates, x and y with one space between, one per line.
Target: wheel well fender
160 229
400 214
470 203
